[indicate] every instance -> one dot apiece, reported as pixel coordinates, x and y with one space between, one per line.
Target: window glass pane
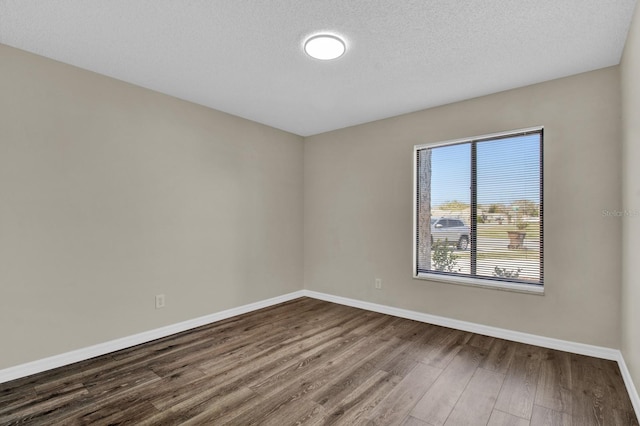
479 208
444 195
508 196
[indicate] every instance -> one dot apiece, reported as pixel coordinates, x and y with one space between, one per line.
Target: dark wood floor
312 362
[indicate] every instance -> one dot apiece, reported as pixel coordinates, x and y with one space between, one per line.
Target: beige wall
630 70
110 194
358 209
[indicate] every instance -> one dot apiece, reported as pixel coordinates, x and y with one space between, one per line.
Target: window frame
485 282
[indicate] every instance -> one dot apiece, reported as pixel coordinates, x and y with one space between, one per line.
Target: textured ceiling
246 58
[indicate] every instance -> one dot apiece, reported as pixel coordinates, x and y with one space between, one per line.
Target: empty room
319 212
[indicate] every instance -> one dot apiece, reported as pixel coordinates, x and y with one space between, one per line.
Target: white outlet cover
160 301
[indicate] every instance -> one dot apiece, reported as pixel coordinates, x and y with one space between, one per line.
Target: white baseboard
38 366
55 361
631 388
515 336
501 333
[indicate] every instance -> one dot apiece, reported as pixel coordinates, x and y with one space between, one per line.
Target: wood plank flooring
309 362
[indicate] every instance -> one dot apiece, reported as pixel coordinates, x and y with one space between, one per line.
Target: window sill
476 282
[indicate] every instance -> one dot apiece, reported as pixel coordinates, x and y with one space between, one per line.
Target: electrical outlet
159 301
378 284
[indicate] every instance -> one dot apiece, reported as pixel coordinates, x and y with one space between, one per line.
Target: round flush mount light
324 47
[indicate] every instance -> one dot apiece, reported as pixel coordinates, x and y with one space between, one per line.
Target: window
478 215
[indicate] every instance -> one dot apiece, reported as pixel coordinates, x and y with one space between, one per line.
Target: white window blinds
479 208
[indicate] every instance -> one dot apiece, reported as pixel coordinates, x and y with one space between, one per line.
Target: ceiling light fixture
324 47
